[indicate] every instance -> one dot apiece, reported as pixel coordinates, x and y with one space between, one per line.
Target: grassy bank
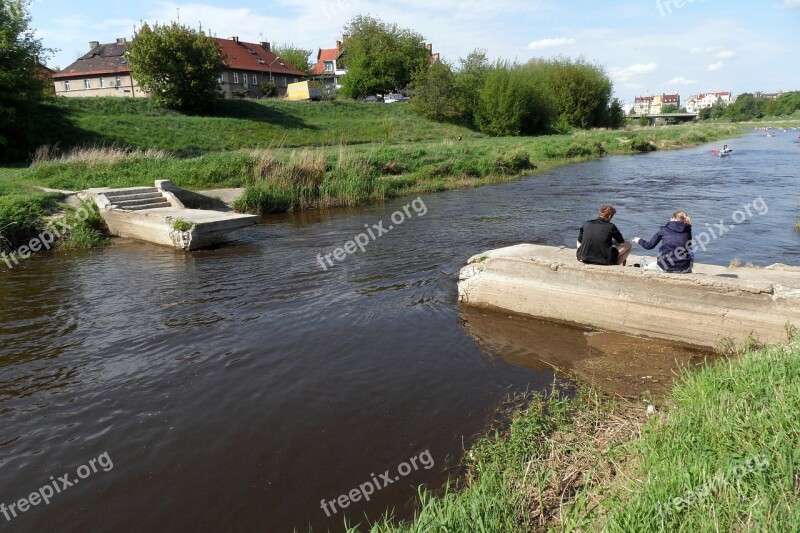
239 124
721 455
284 178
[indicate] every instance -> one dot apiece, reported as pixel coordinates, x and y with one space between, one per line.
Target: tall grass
722 456
93 155
280 178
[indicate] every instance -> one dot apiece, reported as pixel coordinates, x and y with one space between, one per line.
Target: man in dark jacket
600 242
675 254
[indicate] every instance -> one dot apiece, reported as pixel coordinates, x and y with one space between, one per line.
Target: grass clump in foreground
722 456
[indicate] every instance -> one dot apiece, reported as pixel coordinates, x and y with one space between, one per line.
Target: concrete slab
697 309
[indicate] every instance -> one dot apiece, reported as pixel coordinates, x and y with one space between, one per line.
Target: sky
646 46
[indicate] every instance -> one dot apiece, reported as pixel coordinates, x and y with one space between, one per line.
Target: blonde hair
681 216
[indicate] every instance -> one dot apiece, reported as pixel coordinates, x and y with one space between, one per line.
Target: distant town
665 103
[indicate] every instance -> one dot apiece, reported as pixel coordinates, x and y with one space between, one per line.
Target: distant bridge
679 117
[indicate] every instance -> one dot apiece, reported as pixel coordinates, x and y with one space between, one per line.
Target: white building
704 100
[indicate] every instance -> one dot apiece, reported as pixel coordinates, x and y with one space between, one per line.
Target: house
642 105
697 102
248 66
652 105
104 71
662 100
762 95
328 68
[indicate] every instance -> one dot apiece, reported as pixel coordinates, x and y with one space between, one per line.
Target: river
233 389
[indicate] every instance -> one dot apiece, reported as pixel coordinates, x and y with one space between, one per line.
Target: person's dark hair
607 212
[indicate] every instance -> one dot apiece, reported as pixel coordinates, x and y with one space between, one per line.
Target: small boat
722 153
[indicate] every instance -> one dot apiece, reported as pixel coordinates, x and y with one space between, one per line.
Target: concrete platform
149 213
697 309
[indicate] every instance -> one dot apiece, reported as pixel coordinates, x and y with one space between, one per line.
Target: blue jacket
676 253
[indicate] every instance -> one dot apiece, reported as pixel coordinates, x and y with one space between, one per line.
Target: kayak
722 153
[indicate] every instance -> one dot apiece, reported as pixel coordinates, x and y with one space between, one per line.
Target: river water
234 389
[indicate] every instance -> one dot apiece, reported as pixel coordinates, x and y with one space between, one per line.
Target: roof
254 57
102 59
110 59
325 54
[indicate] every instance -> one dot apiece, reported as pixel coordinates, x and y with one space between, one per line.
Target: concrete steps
137 199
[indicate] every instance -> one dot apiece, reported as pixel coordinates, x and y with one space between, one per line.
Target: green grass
240 124
182 225
723 453
280 179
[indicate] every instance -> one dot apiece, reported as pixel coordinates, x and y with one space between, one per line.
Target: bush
436 95
511 102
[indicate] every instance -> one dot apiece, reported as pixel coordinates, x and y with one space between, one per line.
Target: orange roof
325 54
254 57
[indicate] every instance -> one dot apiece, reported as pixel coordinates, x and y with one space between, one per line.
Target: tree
615 114
669 108
744 108
379 57
294 55
21 91
512 102
436 96
580 91
469 80
177 66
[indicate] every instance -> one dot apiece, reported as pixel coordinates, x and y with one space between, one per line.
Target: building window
284 81
221 78
235 77
255 80
66 85
118 82
102 82
328 66
87 84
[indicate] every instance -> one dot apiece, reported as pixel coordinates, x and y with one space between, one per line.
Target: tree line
748 107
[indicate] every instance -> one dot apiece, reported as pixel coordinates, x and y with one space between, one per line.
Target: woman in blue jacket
675 254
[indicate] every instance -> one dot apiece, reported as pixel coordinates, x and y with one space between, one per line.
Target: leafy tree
469 80
177 66
744 108
294 55
615 114
21 91
787 103
436 96
580 91
512 102
379 57
669 108
704 113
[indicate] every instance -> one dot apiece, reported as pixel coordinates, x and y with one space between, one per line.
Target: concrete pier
150 213
699 309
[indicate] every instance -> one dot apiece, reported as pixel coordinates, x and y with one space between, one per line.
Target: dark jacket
596 246
675 254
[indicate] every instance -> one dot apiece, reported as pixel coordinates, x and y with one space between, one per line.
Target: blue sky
647 46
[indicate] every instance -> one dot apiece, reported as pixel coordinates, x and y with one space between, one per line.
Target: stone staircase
137 199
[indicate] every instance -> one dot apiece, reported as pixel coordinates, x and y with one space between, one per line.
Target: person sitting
675 254
600 242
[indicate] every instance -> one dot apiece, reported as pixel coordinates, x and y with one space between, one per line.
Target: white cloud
790 4
680 80
550 43
626 73
715 66
725 54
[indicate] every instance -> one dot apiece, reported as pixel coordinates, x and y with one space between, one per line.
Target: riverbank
717 454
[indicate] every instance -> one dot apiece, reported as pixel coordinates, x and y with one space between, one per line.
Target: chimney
93 45
121 40
235 39
266 46
430 48
338 45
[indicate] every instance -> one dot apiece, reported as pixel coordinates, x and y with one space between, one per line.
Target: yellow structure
304 90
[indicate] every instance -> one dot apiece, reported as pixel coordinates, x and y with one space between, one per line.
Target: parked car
395 97
371 99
